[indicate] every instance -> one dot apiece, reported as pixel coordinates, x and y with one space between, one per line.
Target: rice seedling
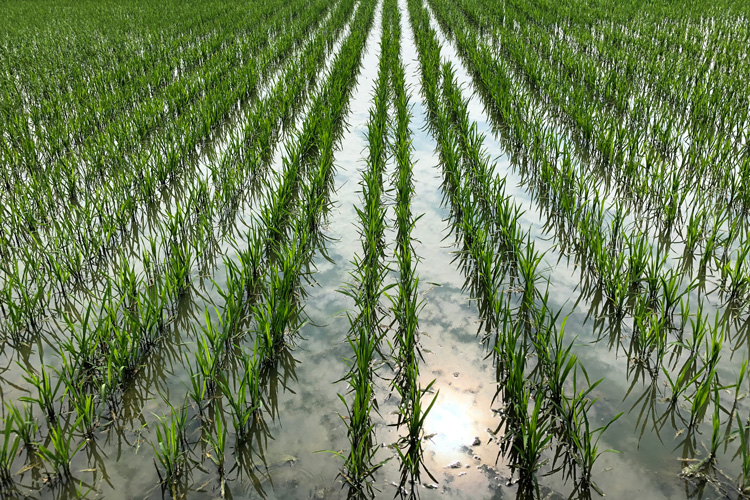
528 443
8 452
683 381
745 457
170 447
717 437
702 396
410 447
740 379
47 393
84 406
218 446
60 448
245 401
24 424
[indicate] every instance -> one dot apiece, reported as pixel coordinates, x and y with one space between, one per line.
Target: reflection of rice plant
586 442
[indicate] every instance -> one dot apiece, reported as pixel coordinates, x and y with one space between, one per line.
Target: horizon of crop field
421 248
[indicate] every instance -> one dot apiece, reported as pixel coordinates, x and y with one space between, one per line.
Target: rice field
312 249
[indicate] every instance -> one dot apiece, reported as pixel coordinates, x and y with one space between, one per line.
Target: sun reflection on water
452 422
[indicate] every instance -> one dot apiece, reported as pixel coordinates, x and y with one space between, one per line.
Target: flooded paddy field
396 248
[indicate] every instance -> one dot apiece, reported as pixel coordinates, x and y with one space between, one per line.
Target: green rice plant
741 373
744 451
232 315
686 378
154 303
711 244
715 344
85 339
702 396
197 390
650 334
84 406
245 401
12 312
694 229
528 262
150 256
218 446
360 465
558 361
24 424
179 268
25 299
127 285
413 414
616 284
638 257
717 437
512 351
60 449
671 294
735 280
207 361
122 351
251 260
47 392
529 440
8 451
278 315
170 447
698 328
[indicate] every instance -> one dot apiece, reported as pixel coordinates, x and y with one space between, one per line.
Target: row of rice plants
182 223
111 144
413 410
155 181
664 191
63 260
273 298
133 344
602 242
502 264
198 86
650 332
245 276
47 88
368 284
133 302
704 116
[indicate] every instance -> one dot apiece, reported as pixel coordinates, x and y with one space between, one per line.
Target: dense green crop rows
168 174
